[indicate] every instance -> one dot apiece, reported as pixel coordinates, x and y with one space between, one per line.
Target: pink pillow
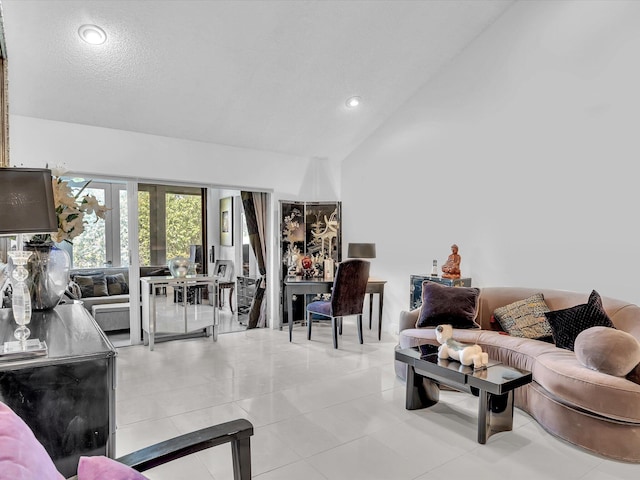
22 456
101 468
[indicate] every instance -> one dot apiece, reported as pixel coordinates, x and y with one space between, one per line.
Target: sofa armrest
408 319
237 432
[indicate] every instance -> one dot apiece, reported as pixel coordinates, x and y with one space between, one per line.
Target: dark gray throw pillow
456 306
92 285
567 323
117 284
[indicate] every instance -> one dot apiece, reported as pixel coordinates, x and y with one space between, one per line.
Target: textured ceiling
269 75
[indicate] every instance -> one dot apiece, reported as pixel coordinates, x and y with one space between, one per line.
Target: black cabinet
68 396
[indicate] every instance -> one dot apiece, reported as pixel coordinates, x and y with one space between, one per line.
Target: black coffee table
493 385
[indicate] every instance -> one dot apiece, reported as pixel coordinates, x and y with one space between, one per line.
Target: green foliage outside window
89 248
144 228
184 225
124 229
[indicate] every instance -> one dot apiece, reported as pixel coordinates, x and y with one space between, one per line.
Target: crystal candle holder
21 299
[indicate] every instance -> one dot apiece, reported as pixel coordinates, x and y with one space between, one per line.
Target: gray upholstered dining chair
347 298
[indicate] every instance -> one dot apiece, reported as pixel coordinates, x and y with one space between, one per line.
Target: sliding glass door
171 223
102 243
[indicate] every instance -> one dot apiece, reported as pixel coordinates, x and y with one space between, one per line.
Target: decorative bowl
179 266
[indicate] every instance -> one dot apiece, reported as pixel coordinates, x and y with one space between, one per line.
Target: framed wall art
224 270
226 221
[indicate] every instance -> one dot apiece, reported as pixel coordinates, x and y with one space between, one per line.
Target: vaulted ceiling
268 75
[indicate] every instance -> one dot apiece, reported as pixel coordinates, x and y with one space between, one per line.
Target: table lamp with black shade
361 250
26 207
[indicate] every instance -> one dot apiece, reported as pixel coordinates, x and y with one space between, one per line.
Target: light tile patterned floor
323 414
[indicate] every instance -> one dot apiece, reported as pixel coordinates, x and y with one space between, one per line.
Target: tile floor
321 414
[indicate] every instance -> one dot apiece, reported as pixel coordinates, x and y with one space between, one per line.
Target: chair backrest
349 287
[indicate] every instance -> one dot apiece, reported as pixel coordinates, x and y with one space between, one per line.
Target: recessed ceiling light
353 102
92 34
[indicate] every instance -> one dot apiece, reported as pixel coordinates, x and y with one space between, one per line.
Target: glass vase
48 274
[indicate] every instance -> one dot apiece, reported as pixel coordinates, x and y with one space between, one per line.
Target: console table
67 397
311 286
494 385
200 316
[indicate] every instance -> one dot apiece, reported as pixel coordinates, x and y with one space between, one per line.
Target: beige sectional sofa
594 410
109 302
110 309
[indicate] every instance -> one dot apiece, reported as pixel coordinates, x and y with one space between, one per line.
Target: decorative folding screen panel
310 233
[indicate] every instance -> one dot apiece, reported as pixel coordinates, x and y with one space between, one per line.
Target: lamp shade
361 250
26 201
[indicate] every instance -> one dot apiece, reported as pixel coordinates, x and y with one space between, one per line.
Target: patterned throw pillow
117 284
456 306
566 324
92 285
525 318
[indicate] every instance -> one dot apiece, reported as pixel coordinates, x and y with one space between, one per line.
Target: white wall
103 151
109 153
521 151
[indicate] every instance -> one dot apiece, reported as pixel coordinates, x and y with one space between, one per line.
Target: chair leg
340 325
309 322
241 454
334 328
360 329
290 327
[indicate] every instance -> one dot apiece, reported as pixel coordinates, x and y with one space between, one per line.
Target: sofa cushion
89 303
607 350
92 285
567 323
117 284
111 316
100 467
525 318
22 456
457 306
516 352
571 383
